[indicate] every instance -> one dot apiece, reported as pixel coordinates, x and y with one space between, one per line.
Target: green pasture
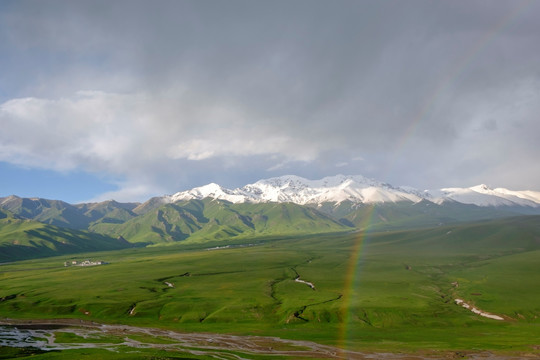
398 295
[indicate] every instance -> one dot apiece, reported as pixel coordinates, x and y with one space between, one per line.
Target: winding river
42 334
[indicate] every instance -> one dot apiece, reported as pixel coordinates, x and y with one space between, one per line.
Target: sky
131 99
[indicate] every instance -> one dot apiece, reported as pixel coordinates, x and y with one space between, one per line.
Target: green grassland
95 354
385 291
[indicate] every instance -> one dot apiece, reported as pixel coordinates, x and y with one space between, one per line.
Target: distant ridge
60 213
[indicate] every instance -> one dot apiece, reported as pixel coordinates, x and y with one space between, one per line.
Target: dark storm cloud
424 93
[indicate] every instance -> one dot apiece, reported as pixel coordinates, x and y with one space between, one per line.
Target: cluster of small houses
84 263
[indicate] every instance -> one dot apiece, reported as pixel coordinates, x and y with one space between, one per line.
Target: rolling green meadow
389 291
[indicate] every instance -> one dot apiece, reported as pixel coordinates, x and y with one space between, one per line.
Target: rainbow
353 272
351 278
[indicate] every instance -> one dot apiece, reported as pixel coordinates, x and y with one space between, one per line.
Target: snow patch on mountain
209 191
330 189
295 189
356 189
483 195
533 196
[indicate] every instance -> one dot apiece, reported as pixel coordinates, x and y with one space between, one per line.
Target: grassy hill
501 236
208 220
409 215
60 213
23 239
53 212
110 210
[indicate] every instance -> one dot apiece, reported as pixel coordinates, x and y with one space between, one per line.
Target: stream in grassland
44 336
47 335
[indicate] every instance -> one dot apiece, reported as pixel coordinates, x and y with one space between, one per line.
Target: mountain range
281 206
356 189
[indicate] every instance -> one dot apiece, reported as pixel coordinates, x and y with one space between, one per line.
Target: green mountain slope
149 205
485 238
409 215
388 215
108 210
207 219
24 239
54 212
60 213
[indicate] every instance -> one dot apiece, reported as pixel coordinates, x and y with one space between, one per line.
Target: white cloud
93 129
129 191
129 135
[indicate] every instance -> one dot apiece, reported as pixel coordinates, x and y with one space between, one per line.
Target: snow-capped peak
211 190
295 189
483 195
356 189
482 188
533 196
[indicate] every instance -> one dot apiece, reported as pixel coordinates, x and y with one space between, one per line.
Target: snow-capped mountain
211 190
295 189
482 195
337 189
356 189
